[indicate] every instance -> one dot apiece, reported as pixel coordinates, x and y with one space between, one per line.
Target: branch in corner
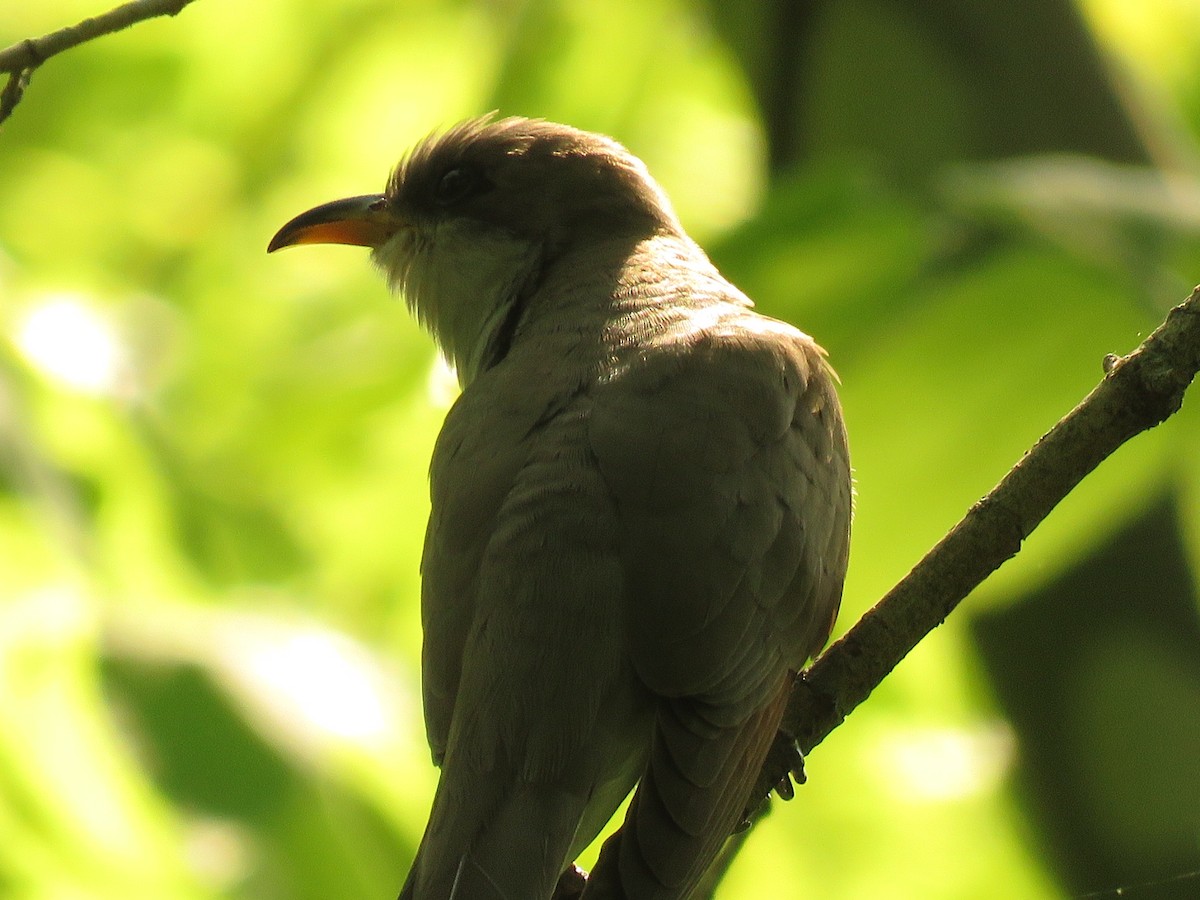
21 59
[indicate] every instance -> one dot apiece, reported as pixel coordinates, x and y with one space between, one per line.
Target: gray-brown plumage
641 507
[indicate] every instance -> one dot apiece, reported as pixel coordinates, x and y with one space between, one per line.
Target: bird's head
471 217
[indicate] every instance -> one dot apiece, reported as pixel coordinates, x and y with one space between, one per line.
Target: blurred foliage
212 463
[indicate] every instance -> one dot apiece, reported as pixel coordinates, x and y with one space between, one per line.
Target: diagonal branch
1138 392
20 60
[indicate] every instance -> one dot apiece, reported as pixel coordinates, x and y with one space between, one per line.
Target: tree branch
1138 392
20 60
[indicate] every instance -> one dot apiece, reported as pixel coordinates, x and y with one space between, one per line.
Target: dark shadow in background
1099 674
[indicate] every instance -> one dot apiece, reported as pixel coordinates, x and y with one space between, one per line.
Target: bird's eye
458 184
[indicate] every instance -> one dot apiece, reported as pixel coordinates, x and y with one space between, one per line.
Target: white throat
461 279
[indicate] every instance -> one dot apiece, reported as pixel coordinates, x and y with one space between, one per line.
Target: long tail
493 839
690 799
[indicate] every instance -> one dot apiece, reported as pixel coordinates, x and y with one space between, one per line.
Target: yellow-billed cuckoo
641 508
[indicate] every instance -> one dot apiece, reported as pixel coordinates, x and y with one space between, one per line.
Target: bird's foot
795 772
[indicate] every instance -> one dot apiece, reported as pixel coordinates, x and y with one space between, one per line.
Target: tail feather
510 849
690 799
470 882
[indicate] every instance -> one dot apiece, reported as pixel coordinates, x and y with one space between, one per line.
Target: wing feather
727 460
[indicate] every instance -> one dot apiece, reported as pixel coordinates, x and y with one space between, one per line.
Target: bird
640 513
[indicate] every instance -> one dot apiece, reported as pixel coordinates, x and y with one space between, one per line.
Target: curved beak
361 221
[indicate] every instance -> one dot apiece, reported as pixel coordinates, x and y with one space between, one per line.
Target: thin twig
20 60
13 91
1138 392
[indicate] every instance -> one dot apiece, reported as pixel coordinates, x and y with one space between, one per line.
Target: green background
212 462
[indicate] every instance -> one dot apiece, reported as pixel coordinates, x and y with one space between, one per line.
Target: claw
796 773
